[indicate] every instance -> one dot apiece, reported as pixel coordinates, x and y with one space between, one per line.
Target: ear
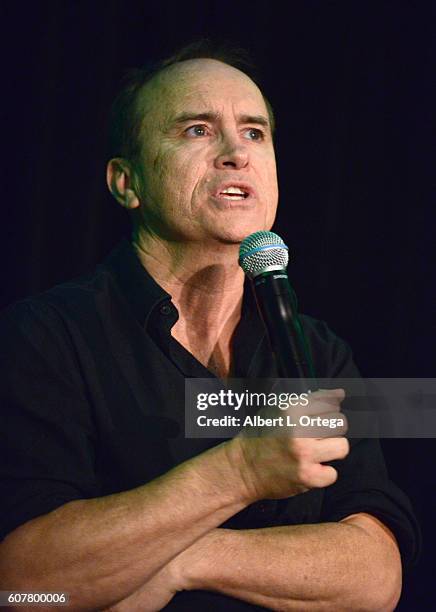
119 180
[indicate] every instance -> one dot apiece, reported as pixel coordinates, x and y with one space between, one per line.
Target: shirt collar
140 289
143 293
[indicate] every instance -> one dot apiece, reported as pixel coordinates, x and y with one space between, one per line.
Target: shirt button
165 309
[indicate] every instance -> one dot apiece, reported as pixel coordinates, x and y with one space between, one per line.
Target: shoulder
46 331
52 308
331 354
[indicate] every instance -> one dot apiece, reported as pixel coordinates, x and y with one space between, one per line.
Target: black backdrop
353 87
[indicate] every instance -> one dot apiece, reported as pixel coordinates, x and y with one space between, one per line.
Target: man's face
206 136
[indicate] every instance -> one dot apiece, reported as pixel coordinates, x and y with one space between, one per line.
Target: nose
232 154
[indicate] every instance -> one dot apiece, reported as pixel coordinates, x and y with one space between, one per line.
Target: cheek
191 170
270 177
162 179
163 167
178 171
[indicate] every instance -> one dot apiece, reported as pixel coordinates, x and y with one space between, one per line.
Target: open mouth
233 193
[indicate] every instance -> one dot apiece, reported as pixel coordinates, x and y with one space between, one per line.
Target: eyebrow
211 117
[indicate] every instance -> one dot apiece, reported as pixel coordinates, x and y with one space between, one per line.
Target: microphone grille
262 252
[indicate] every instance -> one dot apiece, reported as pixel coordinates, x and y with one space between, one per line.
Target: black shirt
92 403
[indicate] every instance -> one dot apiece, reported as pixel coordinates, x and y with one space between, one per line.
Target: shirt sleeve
363 484
47 451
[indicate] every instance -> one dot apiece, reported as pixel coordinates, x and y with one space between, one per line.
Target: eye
254 134
196 130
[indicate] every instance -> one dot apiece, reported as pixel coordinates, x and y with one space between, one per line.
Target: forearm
330 566
100 550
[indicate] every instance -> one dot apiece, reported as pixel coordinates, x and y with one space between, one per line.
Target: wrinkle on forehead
178 76
192 81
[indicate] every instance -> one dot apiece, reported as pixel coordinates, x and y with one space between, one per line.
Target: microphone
264 258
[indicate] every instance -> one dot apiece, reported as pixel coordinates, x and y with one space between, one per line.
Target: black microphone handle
277 304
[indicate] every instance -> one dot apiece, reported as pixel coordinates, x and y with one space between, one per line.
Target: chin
235 233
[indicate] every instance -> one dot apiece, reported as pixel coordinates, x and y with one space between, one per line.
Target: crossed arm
135 550
350 565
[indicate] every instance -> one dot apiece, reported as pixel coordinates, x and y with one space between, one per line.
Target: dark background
353 88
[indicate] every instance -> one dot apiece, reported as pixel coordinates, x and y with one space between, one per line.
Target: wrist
221 467
175 572
236 457
190 569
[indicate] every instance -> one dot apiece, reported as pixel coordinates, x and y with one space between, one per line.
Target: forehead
205 84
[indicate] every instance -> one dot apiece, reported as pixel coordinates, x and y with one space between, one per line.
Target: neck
204 281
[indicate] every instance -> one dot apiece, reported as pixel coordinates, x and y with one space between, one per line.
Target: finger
321 401
321 476
338 392
327 425
330 449
328 397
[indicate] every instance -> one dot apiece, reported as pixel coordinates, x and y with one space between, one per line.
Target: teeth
234 190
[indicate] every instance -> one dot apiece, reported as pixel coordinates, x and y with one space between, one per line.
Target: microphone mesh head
262 252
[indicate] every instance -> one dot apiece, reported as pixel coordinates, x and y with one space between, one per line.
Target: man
105 499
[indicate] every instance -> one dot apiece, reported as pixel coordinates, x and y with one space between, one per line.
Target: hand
273 465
